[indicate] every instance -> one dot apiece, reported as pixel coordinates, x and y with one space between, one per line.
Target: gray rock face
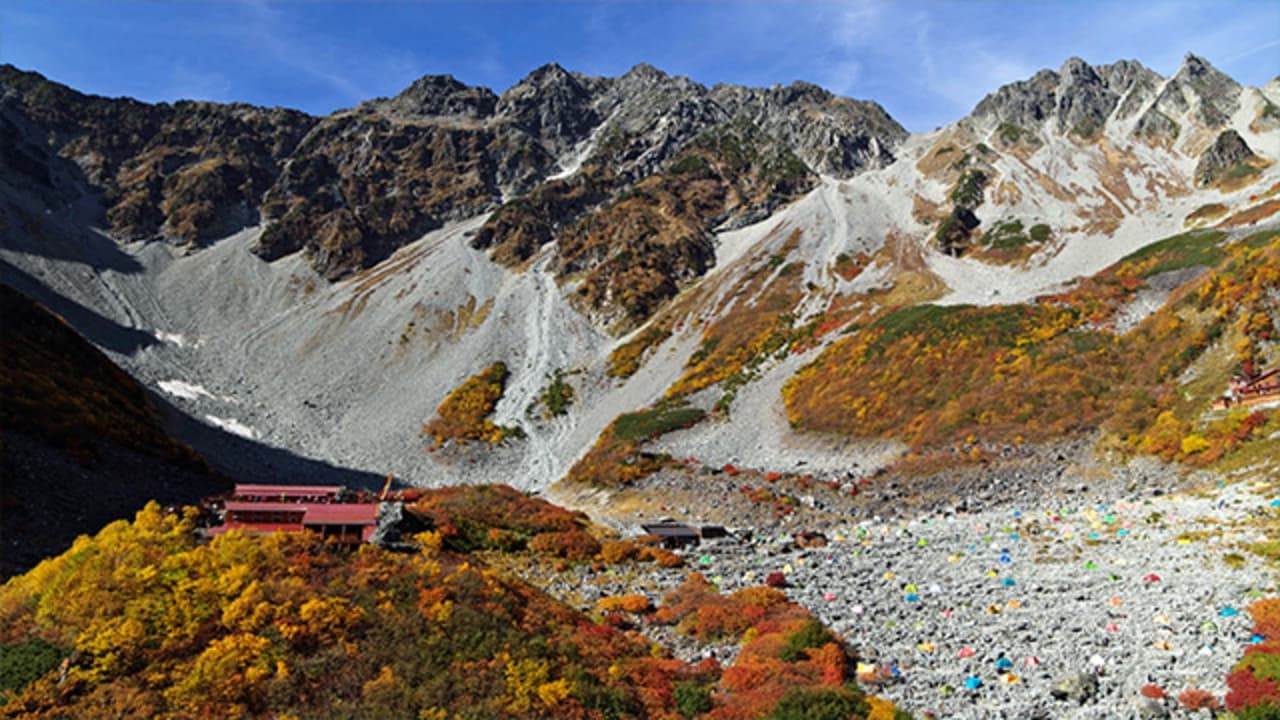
551 105
432 97
1218 94
833 135
1026 103
649 116
1197 89
1135 83
1080 99
1226 152
1084 99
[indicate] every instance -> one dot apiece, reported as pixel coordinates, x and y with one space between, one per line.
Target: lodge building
329 510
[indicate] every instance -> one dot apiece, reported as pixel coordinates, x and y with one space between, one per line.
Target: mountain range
637 254
978 362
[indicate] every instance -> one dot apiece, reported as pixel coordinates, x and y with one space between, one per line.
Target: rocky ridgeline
1080 100
350 188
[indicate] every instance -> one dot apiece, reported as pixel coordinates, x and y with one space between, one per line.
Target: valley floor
1131 587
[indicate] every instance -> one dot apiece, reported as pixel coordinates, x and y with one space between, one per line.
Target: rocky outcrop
638 250
1077 99
1025 104
1133 82
552 105
1081 100
1084 99
188 172
833 135
360 186
1198 94
434 97
1227 153
349 189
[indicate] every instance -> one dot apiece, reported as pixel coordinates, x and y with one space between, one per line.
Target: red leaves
1155 692
1198 699
1246 690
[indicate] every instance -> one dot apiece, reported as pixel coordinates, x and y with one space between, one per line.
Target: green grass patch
999 325
557 396
658 421
1190 249
1242 170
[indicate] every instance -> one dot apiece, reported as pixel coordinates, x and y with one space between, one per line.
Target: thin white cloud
858 23
1253 51
288 45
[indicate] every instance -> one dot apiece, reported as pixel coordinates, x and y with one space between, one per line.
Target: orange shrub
464 413
1198 699
613 552
634 604
573 545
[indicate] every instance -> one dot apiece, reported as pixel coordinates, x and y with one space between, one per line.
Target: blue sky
928 62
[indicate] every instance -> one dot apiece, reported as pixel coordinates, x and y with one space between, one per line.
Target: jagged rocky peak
645 92
1077 99
649 116
1217 93
834 135
1135 83
432 97
1084 99
1080 100
1227 153
552 105
1198 93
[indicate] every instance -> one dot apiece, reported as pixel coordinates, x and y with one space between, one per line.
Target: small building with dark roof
678 535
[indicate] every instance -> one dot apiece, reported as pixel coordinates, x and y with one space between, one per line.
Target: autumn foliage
498 517
937 375
1254 684
464 414
144 621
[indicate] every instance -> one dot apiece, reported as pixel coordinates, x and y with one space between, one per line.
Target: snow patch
235 427
573 163
185 390
176 339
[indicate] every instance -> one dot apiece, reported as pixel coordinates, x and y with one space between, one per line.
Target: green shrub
811 635
968 189
691 165
804 704
26 662
1009 133
658 421
557 396
692 699
1192 249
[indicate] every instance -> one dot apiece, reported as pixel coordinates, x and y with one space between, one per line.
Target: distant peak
436 82
1075 66
808 89
1194 66
435 95
551 70
1193 60
645 71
